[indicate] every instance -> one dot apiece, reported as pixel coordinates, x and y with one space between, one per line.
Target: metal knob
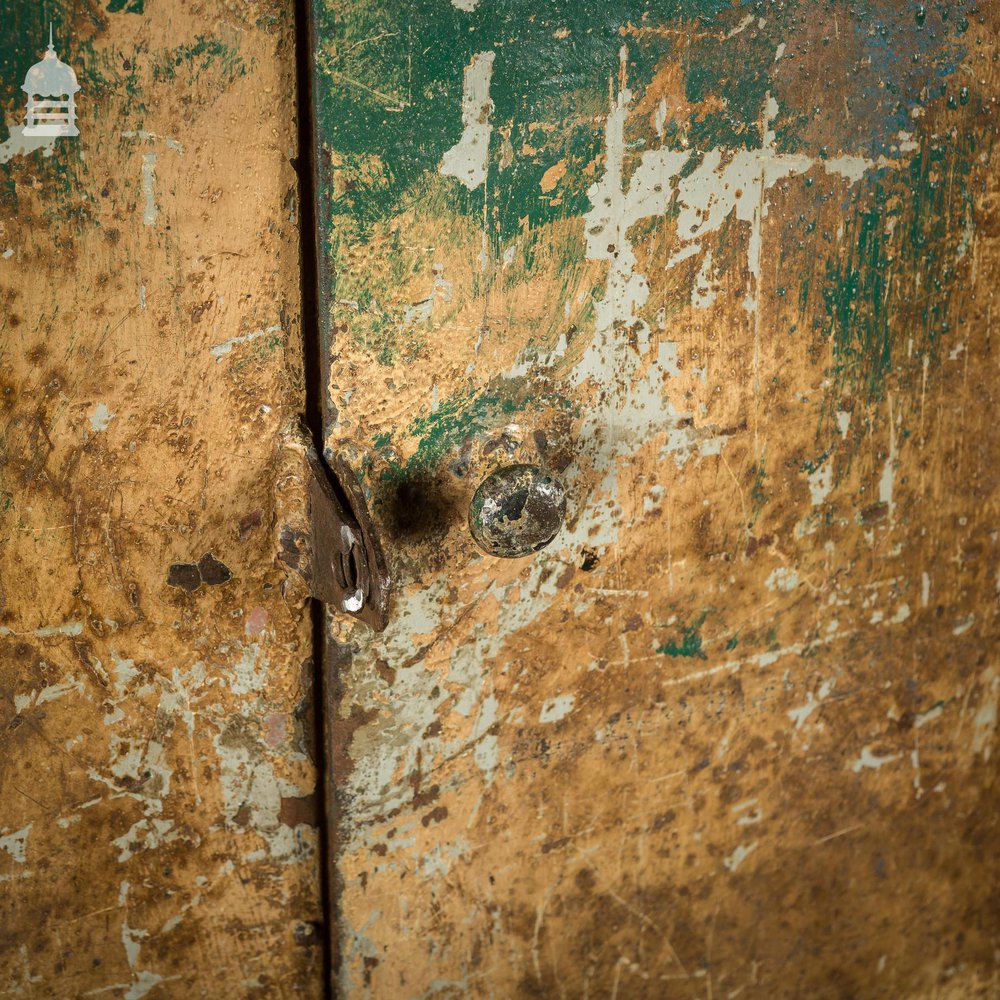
517 510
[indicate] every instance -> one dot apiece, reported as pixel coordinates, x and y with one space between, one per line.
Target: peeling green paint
901 260
389 104
126 6
440 433
195 59
690 644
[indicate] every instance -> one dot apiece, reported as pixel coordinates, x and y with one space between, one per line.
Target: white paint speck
143 134
739 856
968 232
468 159
964 625
48 631
885 485
56 691
221 350
148 188
821 482
800 714
782 579
984 723
145 835
929 716
100 417
871 760
557 708
902 613
15 844
852 168
742 26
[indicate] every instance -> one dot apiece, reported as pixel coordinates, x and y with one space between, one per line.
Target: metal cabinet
726 272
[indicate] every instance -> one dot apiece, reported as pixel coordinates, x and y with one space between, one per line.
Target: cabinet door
727 270
157 788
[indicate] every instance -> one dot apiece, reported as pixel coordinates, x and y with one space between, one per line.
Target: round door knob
517 510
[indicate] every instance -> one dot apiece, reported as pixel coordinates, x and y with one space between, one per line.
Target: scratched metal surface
728 268
157 826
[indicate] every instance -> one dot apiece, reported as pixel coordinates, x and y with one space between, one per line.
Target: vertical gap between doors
315 373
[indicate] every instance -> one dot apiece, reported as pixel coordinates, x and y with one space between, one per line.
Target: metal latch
349 567
345 567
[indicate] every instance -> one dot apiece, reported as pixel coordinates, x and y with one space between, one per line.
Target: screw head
517 510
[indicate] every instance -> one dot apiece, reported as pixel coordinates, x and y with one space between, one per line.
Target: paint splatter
100 417
468 159
554 709
256 622
149 188
16 843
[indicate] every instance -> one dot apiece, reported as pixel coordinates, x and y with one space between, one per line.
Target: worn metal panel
157 807
728 268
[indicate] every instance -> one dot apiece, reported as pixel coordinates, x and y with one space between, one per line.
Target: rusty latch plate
349 570
324 533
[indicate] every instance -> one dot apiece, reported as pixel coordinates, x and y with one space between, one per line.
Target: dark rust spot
190 576
299 809
292 543
213 572
185 576
875 513
437 814
249 522
554 845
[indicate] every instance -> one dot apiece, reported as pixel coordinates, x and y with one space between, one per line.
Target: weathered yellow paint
734 733
157 787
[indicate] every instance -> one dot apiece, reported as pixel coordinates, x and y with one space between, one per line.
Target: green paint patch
391 83
441 433
194 60
757 494
690 643
393 285
814 466
126 6
887 294
741 75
